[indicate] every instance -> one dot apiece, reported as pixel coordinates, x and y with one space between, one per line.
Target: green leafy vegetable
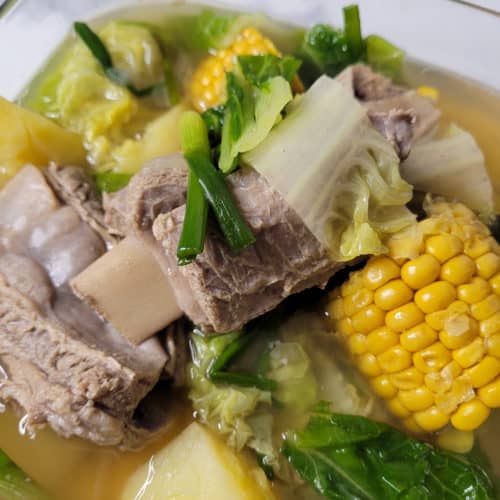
327 50
352 457
352 30
383 56
226 407
219 374
236 231
252 108
351 195
259 69
110 182
15 485
194 139
102 55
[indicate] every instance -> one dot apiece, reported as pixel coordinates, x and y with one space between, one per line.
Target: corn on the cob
423 321
208 85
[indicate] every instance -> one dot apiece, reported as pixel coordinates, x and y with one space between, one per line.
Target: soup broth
77 470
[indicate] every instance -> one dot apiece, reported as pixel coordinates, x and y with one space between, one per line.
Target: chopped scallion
352 30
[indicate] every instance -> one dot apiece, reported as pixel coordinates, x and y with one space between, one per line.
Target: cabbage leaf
336 171
452 166
257 92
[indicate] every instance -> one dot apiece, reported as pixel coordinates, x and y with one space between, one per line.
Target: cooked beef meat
176 345
401 115
159 187
89 379
222 291
75 187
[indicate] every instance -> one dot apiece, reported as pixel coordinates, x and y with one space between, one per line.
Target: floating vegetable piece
15 485
195 465
27 137
435 346
102 55
350 196
452 166
348 456
328 50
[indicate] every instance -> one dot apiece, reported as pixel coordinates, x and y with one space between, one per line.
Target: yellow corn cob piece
425 328
208 85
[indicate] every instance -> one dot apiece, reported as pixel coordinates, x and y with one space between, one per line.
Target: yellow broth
78 470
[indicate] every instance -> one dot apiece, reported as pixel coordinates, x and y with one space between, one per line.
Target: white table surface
460 38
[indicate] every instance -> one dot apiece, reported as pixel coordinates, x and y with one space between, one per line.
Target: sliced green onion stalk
383 56
234 227
110 181
103 57
352 30
194 139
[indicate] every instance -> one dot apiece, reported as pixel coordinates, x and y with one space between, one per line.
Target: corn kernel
490 326
431 419
436 319
451 371
495 283
470 354
444 246
484 372
353 284
470 415
421 271
458 270
456 441
344 327
490 394
411 425
461 391
430 92
493 345
478 289
356 343
436 296
397 408
368 319
392 295
380 340
378 271
418 337
383 387
457 339
404 317
475 247
357 300
432 358
437 383
486 307
368 365
394 359
336 309
416 399
408 379
487 265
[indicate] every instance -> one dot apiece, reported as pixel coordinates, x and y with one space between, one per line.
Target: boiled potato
161 137
26 137
197 465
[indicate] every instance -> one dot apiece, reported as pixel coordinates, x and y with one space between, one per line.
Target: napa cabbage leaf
336 171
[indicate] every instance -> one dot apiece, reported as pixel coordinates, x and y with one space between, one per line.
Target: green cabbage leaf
336 171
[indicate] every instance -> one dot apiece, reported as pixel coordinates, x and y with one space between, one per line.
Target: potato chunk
197 465
30 138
